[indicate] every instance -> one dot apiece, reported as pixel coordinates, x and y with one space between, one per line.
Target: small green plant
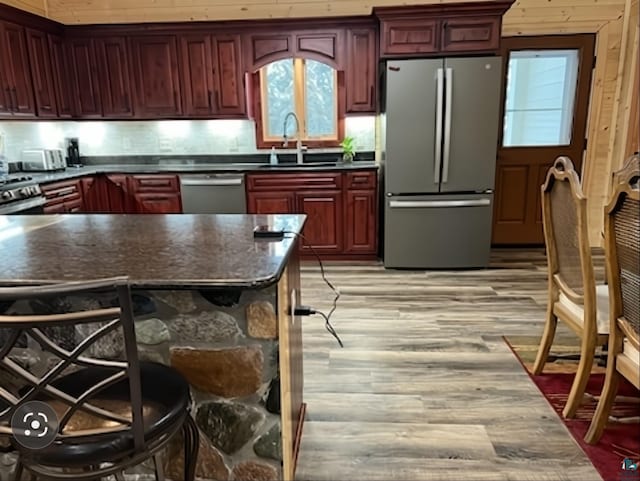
348 149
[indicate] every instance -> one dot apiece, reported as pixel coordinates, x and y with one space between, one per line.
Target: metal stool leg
157 461
17 475
191 444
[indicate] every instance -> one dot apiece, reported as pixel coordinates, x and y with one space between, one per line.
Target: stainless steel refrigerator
440 130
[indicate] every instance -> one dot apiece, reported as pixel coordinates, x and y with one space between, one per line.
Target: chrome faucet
285 143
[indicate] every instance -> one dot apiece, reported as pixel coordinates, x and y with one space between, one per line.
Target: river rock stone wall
225 344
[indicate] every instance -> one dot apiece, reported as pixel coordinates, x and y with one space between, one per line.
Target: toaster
43 160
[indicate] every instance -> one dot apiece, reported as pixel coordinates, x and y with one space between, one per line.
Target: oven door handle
21 206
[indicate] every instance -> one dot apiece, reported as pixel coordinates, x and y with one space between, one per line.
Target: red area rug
618 442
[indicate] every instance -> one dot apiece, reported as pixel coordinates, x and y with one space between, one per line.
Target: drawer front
73 206
155 183
361 180
62 190
54 209
292 182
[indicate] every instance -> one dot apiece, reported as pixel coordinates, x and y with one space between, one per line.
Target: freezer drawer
440 232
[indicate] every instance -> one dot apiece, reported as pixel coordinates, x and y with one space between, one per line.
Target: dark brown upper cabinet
361 70
323 46
229 98
459 28
264 47
62 75
408 36
113 70
42 73
156 76
85 80
470 33
15 76
197 75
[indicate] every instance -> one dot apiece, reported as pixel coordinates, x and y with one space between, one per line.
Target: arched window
305 87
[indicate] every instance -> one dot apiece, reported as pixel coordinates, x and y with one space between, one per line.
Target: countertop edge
75 172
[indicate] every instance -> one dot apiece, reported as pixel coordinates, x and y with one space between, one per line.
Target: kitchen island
209 299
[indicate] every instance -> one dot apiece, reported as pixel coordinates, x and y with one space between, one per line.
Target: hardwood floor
425 388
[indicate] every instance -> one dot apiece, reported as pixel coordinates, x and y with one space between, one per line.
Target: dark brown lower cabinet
341 209
271 203
63 197
158 203
360 222
323 230
127 194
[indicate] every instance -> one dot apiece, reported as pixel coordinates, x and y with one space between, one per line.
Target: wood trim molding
498 7
15 15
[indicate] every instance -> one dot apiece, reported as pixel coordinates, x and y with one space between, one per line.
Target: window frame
259 109
570 84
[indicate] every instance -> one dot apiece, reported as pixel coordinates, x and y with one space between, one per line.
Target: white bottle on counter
273 158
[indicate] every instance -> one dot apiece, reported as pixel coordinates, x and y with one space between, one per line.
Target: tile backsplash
156 137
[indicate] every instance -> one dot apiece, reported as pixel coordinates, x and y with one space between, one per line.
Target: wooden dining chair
622 249
111 414
573 295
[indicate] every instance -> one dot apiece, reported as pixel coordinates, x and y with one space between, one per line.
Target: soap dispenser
273 158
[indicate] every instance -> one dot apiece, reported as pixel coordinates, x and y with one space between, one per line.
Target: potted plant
348 149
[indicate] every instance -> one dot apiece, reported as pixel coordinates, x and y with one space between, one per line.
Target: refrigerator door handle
421 204
447 124
439 107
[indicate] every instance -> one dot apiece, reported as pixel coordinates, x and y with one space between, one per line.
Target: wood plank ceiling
556 15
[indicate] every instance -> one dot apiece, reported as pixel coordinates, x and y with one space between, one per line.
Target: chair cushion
165 399
602 300
628 350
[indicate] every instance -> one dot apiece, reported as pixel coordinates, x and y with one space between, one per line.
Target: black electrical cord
327 317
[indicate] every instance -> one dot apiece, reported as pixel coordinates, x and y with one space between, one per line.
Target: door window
540 96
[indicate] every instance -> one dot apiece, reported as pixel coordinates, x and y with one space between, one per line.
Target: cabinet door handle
210 94
14 95
7 99
175 99
217 99
373 96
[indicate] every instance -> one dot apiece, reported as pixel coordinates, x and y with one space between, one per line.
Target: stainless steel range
20 194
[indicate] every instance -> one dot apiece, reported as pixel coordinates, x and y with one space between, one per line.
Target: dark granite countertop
185 168
174 251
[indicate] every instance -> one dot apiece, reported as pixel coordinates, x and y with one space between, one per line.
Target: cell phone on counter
267 232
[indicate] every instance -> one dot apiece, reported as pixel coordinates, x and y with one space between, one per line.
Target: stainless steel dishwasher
213 194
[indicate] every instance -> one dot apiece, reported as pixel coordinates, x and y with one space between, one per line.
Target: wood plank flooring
425 388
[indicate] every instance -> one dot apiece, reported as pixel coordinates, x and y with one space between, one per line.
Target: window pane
541 89
278 78
320 92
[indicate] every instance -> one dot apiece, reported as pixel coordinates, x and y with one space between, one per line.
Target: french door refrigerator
440 124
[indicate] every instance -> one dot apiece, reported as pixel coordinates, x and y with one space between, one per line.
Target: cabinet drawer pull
60 192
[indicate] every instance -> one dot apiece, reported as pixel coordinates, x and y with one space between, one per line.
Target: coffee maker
73 152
